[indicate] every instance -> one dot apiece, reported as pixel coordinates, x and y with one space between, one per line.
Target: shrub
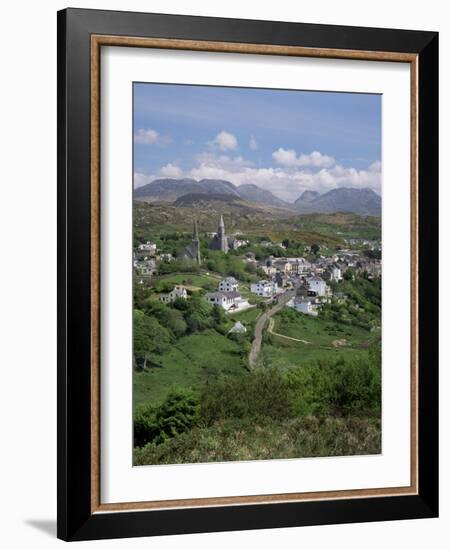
259 394
177 413
145 426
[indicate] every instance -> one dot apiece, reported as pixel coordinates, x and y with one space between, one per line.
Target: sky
284 141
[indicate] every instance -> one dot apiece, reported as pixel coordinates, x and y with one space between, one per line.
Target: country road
259 327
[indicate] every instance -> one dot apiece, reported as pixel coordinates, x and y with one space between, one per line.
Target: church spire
195 234
223 239
196 243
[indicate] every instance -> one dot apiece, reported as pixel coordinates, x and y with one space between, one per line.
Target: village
301 283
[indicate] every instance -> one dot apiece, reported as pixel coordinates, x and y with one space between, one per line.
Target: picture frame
81 36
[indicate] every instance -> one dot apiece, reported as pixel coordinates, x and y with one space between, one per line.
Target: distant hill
344 199
205 200
307 196
169 190
358 201
254 193
228 205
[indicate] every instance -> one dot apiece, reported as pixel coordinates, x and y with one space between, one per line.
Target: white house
303 305
148 247
166 257
268 269
146 267
177 292
283 265
264 288
317 285
235 244
229 301
335 274
299 265
229 284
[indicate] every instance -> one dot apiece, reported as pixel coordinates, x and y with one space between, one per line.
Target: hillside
344 199
250 218
254 193
168 189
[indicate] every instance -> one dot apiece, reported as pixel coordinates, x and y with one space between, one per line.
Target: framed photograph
247 262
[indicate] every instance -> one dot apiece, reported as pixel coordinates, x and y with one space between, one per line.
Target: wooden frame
81 34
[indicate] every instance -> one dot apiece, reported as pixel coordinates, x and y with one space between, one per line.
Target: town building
269 270
166 257
282 265
281 279
264 288
148 247
303 305
177 292
229 301
235 244
299 266
146 268
317 286
228 284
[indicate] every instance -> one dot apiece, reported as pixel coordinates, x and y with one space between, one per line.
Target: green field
200 280
326 340
247 316
193 360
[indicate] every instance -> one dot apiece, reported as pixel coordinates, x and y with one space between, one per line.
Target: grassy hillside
193 360
326 408
152 219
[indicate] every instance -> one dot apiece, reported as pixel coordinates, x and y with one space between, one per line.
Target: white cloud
171 171
289 158
140 179
288 183
150 137
253 144
225 141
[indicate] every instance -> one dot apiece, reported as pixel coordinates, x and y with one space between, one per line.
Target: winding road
259 327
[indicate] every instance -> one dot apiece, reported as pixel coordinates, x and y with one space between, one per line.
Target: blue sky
282 140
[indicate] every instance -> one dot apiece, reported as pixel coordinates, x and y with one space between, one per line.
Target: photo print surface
257 274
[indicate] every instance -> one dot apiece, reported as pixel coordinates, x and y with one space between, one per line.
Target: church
220 240
192 251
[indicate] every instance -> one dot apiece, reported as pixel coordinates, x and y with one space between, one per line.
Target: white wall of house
317 285
228 285
264 288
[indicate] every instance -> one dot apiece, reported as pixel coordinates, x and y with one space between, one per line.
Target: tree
315 248
349 274
218 316
149 337
250 267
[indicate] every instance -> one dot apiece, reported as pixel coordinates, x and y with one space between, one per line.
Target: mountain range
344 199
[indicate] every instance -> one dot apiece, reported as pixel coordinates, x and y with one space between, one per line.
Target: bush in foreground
245 440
